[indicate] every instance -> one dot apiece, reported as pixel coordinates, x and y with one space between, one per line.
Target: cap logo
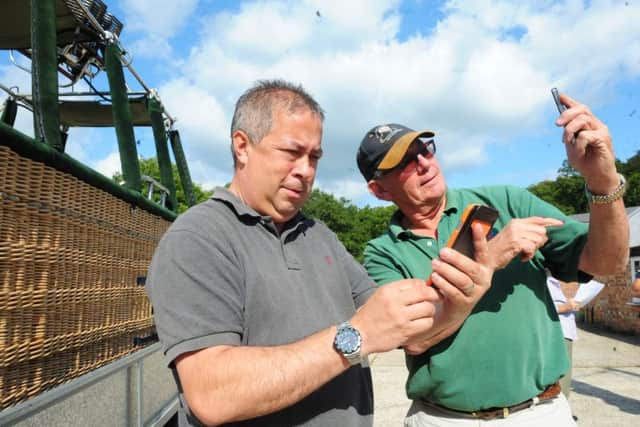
385 132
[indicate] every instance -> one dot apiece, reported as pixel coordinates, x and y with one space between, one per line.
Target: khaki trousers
565 382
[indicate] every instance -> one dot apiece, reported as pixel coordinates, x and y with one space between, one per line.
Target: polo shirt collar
395 224
224 195
243 211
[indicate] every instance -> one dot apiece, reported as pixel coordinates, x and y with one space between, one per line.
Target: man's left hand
589 147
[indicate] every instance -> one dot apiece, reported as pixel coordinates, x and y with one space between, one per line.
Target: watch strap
353 357
605 199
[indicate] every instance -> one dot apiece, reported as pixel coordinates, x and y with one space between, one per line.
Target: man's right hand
394 314
521 236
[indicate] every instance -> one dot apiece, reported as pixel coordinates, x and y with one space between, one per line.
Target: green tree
353 226
150 168
567 191
631 170
631 166
567 170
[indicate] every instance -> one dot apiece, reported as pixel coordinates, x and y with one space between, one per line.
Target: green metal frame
122 118
162 150
183 168
47 126
44 76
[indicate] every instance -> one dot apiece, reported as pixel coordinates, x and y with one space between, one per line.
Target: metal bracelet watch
605 199
347 342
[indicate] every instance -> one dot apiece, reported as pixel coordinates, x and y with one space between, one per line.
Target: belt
549 393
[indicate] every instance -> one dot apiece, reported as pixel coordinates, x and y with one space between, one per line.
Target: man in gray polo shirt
265 318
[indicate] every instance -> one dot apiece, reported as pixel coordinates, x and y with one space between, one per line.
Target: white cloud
208 177
18 81
269 28
109 165
480 78
156 23
203 126
155 17
152 46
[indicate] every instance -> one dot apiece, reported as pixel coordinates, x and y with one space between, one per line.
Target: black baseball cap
384 146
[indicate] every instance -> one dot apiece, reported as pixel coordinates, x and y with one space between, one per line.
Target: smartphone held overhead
561 108
556 97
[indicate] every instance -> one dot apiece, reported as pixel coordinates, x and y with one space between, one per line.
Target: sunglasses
418 147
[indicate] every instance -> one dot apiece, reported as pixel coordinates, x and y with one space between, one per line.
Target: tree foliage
353 226
566 192
150 167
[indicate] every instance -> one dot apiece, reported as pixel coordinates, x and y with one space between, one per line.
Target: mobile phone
462 237
556 99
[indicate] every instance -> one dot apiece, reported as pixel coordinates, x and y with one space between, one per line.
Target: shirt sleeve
556 291
195 285
380 266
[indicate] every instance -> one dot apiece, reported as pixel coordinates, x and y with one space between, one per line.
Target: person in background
567 308
635 287
503 362
264 317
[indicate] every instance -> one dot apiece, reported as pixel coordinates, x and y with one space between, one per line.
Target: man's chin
286 213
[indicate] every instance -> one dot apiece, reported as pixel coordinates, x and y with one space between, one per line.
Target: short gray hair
255 108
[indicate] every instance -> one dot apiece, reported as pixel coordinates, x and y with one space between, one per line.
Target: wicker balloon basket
73 259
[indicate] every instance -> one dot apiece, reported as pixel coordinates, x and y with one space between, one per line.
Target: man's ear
377 189
240 142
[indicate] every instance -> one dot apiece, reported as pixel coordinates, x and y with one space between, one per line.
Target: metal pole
97 93
164 161
183 167
122 119
139 392
44 76
9 112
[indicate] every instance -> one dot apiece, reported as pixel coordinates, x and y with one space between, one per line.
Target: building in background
615 307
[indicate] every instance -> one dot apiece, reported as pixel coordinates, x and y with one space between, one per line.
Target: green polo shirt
511 346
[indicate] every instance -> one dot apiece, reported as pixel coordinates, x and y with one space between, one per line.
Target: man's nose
305 167
422 163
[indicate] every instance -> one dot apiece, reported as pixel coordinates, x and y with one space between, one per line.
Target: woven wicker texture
70 258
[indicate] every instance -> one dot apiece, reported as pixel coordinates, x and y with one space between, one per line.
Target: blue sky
478 73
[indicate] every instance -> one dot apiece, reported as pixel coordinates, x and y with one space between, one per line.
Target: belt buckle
489 415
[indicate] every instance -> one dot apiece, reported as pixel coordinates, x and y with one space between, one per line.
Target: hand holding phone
462 237
561 108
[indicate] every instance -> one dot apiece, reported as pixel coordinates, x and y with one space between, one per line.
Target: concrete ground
606 381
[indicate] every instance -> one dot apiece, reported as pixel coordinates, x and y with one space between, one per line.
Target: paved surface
606 381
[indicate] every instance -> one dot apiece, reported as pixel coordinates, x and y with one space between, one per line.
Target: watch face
348 341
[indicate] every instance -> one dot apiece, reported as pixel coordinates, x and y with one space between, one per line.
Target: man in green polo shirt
504 361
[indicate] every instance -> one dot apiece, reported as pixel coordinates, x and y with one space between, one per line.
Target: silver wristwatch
348 342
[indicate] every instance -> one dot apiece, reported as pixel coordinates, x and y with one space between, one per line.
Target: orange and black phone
462 237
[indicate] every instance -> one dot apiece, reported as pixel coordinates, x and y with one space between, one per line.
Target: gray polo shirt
223 274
